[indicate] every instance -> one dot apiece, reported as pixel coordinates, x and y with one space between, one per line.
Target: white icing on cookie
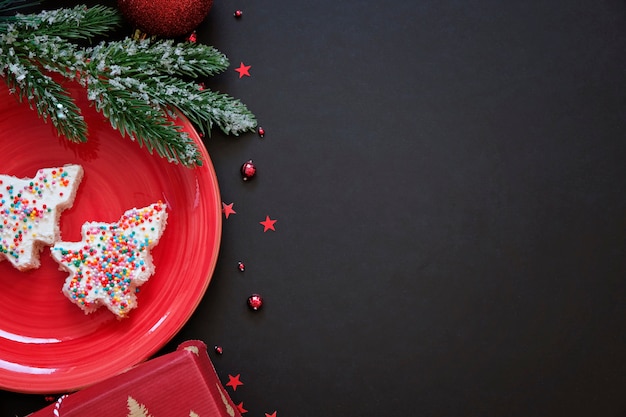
30 210
112 259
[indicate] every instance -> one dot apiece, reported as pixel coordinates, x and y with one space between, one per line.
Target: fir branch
79 22
54 54
137 84
46 96
148 71
205 108
12 6
191 59
144 58
128 114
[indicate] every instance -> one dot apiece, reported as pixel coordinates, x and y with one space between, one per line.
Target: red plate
46 343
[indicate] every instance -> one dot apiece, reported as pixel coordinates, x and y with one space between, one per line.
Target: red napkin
179 384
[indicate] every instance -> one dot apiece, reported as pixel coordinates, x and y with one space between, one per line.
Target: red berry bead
238 14
241 266
261 132
248 170
218 350
255 302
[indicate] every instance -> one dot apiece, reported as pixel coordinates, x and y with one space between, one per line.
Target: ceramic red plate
47 344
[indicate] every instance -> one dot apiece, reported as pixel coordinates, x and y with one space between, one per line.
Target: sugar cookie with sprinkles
112 260
30 209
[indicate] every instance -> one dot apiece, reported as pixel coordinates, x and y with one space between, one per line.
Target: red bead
218 350
241 266
238 13
248 170
255 302
193 37
261 132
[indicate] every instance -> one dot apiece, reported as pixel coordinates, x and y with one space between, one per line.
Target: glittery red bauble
255 302
248 170
166 18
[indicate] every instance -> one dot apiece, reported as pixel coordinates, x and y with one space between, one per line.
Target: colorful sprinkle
29 210
112 260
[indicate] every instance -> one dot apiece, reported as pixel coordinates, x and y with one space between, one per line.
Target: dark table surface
448 180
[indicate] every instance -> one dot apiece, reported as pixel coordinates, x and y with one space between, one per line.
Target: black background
448 180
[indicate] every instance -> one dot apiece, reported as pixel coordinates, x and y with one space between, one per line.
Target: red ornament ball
261 132
255 302
218 349
238 13
241 266
248 170
166 18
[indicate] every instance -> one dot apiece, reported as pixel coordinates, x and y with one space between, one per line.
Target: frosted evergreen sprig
79 22
151 70
145 57
47 97
9 7
139 85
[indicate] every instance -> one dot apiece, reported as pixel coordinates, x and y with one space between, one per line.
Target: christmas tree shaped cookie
112 259
30 209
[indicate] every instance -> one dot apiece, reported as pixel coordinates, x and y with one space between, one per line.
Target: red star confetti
243 70
234 382
241 409
227 209
268 224
270 415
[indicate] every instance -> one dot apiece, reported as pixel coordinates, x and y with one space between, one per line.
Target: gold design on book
229 408
135 409
193 349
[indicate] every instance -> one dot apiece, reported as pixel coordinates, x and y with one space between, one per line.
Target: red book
179 384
